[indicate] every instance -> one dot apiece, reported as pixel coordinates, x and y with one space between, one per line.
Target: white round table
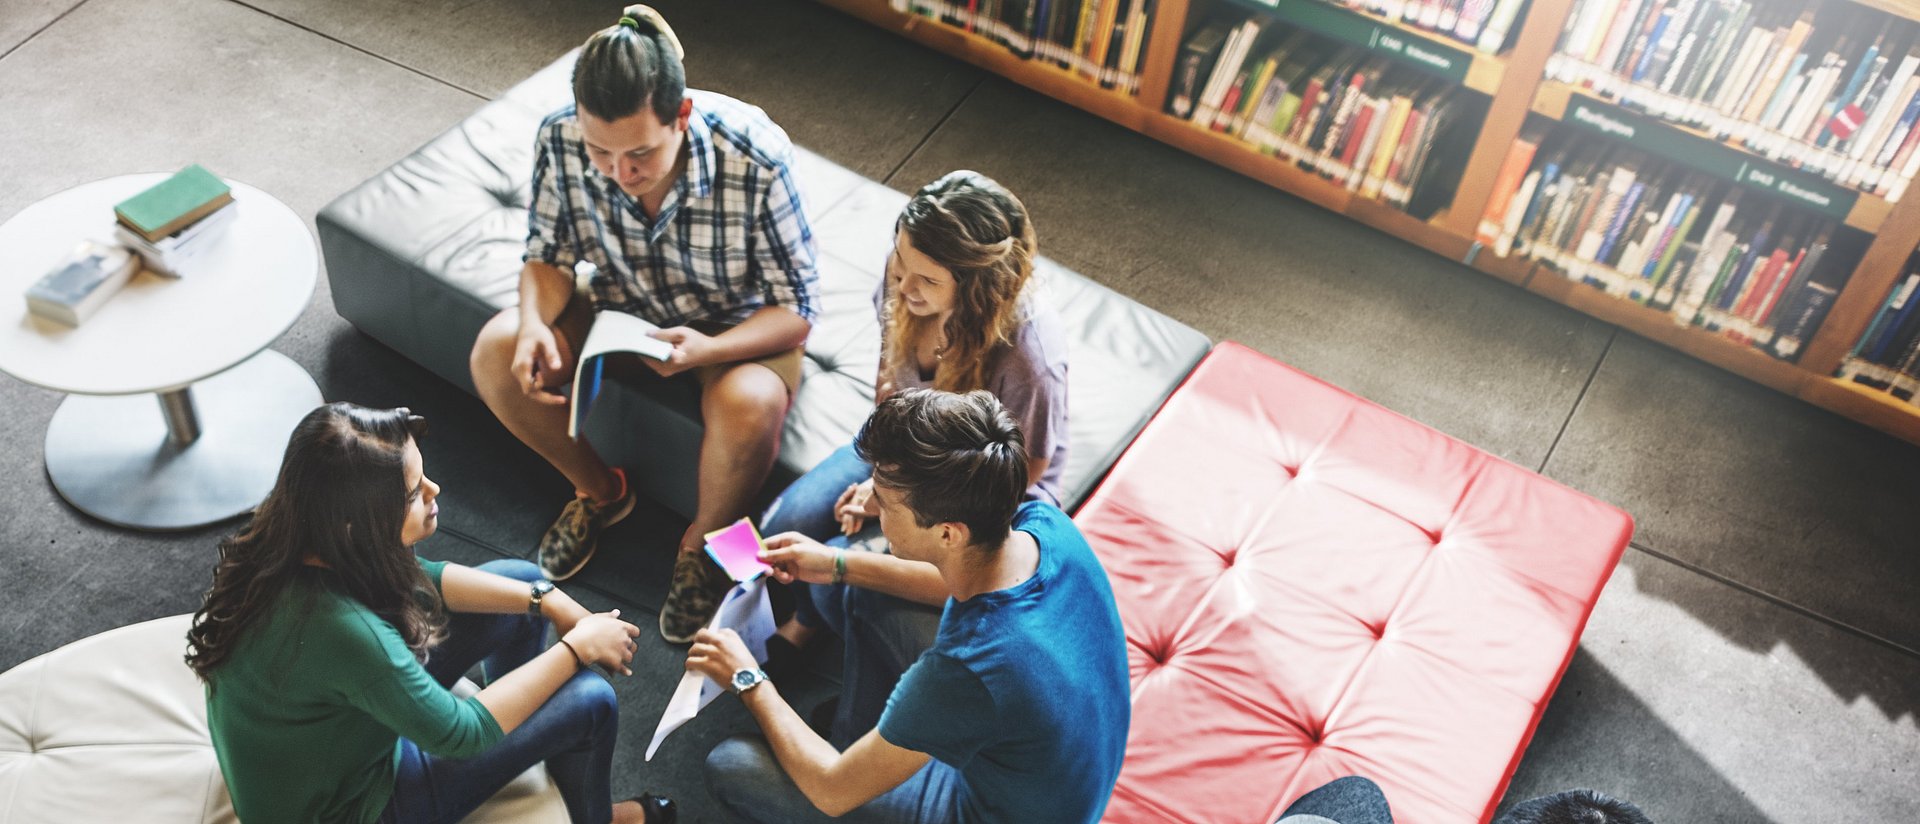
210 448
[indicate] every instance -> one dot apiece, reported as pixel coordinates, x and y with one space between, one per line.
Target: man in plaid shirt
685 204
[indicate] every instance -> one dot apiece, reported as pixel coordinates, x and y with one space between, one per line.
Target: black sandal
659 808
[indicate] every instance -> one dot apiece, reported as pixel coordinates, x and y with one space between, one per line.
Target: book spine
1505 183
1896 301
1499 23
1664 264
1622 220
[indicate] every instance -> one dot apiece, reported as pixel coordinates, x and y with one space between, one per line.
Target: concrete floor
1756 658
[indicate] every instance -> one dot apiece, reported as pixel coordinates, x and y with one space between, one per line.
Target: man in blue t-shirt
1018 712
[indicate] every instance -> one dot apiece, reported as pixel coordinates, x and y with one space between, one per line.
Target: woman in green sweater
327 648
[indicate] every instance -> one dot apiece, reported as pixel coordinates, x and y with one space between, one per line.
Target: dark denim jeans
806 507
1350 800
743 775
573 731
884 635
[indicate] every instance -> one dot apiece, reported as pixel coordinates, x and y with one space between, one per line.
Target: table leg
183 424
212 453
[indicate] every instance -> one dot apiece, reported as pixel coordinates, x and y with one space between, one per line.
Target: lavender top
1030 379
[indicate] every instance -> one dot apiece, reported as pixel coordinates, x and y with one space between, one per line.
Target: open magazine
612 333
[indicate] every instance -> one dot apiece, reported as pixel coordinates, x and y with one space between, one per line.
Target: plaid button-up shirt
731 236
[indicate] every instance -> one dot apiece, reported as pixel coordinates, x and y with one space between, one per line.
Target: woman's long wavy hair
341 499
980 232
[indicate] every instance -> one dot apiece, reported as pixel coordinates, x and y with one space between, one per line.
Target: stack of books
1834 91
1887 356
173 224
1643 229
1103 40
1354 117
1482 24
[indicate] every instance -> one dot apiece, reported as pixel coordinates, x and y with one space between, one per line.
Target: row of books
1834 91
1887 356
1103 40
1354 117
1658 233
1482 24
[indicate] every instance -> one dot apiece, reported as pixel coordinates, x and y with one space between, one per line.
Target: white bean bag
113 728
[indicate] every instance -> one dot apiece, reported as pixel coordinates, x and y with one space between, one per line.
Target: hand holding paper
745 611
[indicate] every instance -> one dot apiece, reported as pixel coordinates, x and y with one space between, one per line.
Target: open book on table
612 333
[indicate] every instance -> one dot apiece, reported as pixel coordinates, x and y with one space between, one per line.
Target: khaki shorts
577 318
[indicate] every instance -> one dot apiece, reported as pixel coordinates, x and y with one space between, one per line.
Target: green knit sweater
308 713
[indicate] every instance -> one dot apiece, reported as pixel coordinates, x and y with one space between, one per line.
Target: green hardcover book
1283 115
172 204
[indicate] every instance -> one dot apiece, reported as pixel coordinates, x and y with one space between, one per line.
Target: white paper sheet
745 610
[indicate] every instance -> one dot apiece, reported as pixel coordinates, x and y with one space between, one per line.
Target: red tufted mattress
1314 587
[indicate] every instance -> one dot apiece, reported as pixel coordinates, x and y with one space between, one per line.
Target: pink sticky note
737 550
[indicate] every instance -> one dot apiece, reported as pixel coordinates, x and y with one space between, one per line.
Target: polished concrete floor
1756 658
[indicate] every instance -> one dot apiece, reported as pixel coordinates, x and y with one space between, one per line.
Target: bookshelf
1413 46
1515 84
1722 159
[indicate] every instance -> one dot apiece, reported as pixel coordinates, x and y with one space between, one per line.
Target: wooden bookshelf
1727 159
1515 270
1411 45
1909 9
1872 407
1515 84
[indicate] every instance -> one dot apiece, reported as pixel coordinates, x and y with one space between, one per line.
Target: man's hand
602 638
855 506
690 349
536 364
796 557
718 654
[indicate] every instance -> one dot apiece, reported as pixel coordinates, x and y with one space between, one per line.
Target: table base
113 457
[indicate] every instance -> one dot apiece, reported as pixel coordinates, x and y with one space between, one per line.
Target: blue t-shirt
1025 690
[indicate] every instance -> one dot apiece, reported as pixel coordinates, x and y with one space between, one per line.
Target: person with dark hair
685 206
1018 712
327 649
956 315
1574 807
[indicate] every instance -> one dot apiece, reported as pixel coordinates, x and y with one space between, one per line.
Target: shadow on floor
1597 734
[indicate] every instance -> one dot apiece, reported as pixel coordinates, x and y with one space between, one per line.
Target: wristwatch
747 679
539 590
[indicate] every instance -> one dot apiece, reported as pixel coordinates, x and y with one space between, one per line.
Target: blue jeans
1350 800
883 636
573 731
806 507
743 774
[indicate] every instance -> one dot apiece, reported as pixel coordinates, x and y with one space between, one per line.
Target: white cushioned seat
114 728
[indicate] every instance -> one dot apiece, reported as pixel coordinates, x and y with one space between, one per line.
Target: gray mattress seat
422 254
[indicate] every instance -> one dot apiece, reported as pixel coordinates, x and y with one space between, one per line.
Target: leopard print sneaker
569 544
698 586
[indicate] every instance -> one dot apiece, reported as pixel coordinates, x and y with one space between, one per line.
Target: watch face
744 679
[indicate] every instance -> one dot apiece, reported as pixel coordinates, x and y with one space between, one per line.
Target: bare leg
538 425
744 409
